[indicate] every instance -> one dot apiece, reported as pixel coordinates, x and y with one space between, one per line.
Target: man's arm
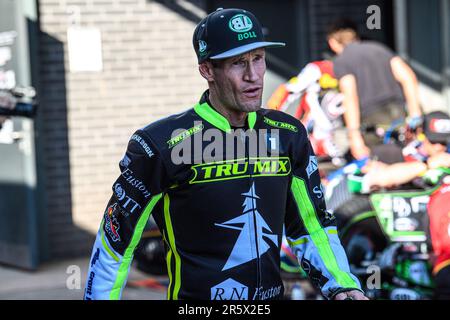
440 160
384 175
311 230
136 192
408 80
352 117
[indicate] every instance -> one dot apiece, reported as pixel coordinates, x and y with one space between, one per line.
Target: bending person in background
375 83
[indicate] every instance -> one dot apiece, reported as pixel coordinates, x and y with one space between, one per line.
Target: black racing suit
221 207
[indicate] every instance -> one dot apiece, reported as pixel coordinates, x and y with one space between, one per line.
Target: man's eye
238 63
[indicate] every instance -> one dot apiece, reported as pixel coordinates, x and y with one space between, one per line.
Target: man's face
334 45
238 81
433 148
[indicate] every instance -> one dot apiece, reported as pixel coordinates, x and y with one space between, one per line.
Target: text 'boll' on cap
226 33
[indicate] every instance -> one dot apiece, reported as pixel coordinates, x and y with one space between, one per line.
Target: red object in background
439 214
278 98
150 283
318 146
325 66
302 108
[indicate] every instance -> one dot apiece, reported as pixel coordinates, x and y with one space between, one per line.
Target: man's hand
351 295
439 160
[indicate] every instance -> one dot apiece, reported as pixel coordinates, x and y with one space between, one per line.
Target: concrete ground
65 280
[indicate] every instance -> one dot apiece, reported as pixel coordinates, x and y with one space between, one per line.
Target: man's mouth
252 92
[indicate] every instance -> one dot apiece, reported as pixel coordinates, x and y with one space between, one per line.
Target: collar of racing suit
208 113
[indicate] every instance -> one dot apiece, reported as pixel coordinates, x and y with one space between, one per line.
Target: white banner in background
85 49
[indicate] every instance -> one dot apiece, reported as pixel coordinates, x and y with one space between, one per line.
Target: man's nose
251 73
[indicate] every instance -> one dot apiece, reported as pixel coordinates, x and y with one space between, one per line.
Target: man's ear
333 44
206 70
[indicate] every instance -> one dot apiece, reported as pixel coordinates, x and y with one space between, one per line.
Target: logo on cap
201 46
240 23
440 125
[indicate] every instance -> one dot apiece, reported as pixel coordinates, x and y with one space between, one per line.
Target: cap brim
246 48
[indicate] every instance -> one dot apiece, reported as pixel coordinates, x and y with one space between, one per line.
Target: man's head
436 127
229 44
237 82
340 34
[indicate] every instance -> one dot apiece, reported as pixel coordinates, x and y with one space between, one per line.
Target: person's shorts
385 116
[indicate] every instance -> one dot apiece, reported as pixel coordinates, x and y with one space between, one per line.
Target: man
431 149
375 84
428 151
222 220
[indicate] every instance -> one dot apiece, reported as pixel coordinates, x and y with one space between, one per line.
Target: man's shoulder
281 120
368 47
161 130
360 53
278 115
377 44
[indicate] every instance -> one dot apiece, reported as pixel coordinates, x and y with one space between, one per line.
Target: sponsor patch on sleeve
112 225
143 144
312 166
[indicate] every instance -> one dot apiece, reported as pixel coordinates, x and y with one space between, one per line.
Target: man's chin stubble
252 107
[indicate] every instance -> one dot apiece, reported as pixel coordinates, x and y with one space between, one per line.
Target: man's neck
234 117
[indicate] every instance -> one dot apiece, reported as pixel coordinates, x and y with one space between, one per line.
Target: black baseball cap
226 33
436 126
